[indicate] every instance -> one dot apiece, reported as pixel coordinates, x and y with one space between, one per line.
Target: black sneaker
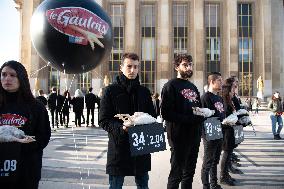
215 186
236 164
277 137
226 180
235 170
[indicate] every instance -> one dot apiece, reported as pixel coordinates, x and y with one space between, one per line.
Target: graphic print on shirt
189 94
13 120
219 106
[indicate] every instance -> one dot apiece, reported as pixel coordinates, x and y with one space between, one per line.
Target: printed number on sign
209 128
156 139
10 165
138 139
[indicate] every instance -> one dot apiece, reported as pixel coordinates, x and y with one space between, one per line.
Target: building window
212 26
148 45
54 78
117 18
245 26
180 28
84 81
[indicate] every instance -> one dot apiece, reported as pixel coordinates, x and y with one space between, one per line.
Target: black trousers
54 117
183 163
78 118
92 112
226 162
212 152
65 118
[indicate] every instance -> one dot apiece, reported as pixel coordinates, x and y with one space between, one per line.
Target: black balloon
74 36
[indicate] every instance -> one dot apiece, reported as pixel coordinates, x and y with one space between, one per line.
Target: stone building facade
235 37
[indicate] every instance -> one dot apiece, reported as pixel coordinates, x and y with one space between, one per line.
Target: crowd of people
177 106
61 105
185 128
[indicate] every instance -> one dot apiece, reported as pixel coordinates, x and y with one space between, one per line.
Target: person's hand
27 139
125 128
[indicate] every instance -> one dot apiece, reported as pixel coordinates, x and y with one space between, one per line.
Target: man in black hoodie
212 148
179 97
125 96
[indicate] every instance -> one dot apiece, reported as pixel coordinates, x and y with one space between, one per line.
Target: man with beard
179 97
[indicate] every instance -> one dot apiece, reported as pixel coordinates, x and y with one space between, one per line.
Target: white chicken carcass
230 120
242 112
205 112
138 118
13 134
245 120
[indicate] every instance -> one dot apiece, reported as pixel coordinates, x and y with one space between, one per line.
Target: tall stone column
262 61
97 73
225 40
163 45
197 36
232 8
131 26
277 47
26 47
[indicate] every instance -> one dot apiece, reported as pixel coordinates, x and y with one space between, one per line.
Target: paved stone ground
75 159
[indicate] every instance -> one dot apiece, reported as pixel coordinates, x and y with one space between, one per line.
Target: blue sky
9 31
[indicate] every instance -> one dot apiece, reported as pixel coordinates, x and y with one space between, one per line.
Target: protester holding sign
212 148
228 134
19 108
179 98
233 80
125 96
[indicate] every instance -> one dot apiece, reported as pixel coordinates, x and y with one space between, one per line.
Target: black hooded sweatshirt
35 122
179 96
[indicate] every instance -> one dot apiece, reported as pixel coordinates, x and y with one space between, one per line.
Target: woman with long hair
19 108
275 106
228 135
66 107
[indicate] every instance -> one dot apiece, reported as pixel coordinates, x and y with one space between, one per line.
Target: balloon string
98 75
32 74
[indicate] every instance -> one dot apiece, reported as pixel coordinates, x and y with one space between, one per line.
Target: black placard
145 139
9 161
239 134
212 127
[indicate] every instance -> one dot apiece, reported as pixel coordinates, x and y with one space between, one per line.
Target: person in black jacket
78 106
156 103
228 135
233 80
52 103
90 101
66 108
125 96
41 97
179 97
212 148
19 108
